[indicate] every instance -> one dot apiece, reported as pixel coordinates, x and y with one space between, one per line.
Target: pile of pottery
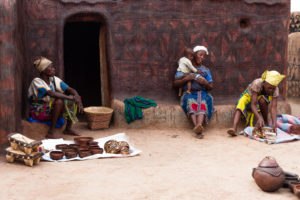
115 147
265 133
83 147
24 149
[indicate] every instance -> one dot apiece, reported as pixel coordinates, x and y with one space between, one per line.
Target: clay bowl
297 191
96 150
93 146
292 185
82 148
61 146
93 143
74 146
84 153
67 149
71 154
56 155
84 141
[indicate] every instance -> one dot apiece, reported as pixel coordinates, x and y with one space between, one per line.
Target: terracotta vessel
112 146
93 146
74 146
297 191
84 141
92 143
268 175
71 154
96 150
84 153
124 147
56 155
82 148
67 149
61 146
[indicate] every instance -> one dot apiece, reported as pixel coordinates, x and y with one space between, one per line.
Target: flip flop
232 132
73 133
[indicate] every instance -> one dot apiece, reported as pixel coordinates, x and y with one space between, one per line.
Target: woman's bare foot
71 132
199 131
232 132
52 135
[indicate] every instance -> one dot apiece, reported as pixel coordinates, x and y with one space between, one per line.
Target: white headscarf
41 64
200 48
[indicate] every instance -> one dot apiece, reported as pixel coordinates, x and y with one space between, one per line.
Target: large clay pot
268 175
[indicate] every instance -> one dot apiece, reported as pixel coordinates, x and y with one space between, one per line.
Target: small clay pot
70 154
93 146
74 146
61 146
93 143
96 150
84 153
293 184
82 148
67 149
84 141
56 155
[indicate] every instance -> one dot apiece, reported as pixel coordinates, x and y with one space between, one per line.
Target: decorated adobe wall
143 40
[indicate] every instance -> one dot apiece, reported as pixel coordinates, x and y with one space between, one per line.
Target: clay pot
61 146
112 146
297 191
96 150
124 147
74 146
93 143
82 148
84 141
67 149
268 175
93 146
292 185
56 155
84 153
70 154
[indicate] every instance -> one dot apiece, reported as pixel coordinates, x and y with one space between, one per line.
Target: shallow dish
84 153
56 155
70 154
96 150
61 146
83 140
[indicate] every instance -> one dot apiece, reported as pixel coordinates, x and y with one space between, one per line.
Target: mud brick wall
145 38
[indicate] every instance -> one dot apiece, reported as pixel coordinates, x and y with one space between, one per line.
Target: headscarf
200 48
272 77
41 64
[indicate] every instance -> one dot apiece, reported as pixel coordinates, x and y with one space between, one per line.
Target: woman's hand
260 122
77 100
189 77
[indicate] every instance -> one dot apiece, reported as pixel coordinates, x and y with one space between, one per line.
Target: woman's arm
274 113
203 81
260 122
181 82
77 98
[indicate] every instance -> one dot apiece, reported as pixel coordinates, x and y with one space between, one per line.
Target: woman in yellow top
255 99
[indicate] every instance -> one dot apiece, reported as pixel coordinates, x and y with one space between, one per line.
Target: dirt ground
173 165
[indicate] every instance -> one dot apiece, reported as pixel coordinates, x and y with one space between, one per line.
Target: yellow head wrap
41 64
272 77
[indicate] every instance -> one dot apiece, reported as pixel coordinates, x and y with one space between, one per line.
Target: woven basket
98 117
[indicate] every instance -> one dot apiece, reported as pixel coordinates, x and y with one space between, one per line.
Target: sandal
232 132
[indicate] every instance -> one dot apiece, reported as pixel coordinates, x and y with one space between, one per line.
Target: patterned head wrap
41 64
272 77
200 48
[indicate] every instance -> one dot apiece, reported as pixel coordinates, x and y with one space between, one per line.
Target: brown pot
96 150
84 153
82 148
268 175
93 143
56 155
61 146
84 141
93 146
71 154
74 146
67 149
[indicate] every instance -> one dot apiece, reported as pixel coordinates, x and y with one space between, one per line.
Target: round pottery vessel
84 153
70 154
74 146
61 146
93 143
93 146
84 141
56 155
297 191
82 148
67 149
96 150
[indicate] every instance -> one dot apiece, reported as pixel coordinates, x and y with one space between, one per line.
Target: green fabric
133 107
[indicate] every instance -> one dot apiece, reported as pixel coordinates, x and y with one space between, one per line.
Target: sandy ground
173 165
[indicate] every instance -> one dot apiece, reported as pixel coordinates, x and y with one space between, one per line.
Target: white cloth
49 144
200 48
185 66
38 85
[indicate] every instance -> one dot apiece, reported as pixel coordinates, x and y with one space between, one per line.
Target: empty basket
98 116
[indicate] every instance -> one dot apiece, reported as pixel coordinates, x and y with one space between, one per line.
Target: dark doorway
82 60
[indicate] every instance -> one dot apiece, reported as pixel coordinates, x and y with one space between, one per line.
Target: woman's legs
55 114
236 119
263 105
69 130
198 122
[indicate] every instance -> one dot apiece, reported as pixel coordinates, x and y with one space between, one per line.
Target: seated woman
255 99
199 104
48 100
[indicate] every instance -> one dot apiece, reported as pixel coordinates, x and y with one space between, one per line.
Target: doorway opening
82 60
